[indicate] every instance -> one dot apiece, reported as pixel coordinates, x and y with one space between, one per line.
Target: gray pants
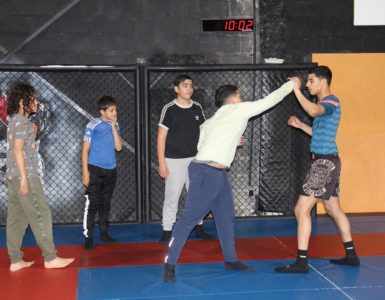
32 210
177 178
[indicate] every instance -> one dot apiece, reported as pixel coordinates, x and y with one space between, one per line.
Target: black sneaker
237 266
106 238
89 243
169 273
294 268
166 237
346 261
202 234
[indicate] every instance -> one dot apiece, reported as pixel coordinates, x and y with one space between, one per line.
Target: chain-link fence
267 172
69 101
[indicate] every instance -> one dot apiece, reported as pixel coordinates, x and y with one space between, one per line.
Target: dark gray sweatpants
210 190
32 210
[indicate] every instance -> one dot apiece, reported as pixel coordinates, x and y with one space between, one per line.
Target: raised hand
297 82
113 121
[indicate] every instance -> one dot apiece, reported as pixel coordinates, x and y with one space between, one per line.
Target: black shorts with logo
323 177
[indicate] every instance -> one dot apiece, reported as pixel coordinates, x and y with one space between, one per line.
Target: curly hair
20 91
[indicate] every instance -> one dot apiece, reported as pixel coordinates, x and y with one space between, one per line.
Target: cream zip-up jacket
221 133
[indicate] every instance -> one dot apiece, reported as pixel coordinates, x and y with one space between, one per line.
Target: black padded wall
295 29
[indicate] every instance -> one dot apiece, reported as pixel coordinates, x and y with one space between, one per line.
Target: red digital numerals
239 25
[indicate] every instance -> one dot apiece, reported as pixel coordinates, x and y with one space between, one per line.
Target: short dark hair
223 93
106 102
20 91
322 72
180 78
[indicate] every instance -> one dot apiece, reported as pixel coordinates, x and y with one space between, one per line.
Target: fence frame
147 69
87 68
142 110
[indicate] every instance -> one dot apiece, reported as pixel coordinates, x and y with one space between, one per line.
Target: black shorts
323 177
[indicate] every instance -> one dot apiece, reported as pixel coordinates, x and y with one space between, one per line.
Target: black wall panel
295 29
122 31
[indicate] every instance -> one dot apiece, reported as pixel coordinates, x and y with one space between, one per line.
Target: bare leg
302 212
334 210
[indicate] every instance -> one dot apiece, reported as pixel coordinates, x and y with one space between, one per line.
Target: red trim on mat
37 282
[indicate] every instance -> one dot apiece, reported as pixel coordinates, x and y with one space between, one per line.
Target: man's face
185 89
110 113
314 84
235 99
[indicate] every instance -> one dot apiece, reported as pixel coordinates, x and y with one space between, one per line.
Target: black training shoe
200 233
166 237
89 243
346 261
294 268
169 273
237 266
106 238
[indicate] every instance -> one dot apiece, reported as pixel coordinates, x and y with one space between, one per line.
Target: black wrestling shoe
200 233
346 261
237 266
89 243
169 273
166 237
294 268
106 238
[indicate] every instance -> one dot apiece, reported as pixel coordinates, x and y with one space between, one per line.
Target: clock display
228 25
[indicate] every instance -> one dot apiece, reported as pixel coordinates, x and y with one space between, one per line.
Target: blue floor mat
211 281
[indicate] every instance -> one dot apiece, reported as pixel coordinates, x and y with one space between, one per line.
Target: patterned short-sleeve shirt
325 127
20 127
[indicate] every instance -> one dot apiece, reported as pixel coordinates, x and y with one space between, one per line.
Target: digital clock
228 25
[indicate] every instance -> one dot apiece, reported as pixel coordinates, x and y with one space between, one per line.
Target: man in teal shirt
322 180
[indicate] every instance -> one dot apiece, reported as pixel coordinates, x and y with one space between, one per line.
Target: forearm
306 128
161 150
20 162
258 107
312 109
117 140
161 144
85 161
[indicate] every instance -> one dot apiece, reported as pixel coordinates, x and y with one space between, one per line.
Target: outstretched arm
256 107
295 122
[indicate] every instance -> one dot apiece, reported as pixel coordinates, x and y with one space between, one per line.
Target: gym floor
133 268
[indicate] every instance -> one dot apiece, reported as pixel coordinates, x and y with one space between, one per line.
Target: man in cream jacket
210 189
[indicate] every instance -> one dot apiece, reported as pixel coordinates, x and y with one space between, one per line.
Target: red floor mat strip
331 245
37 282
151 253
